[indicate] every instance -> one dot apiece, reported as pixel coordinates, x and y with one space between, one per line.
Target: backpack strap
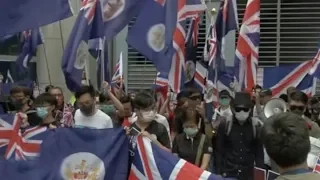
229 122
200 150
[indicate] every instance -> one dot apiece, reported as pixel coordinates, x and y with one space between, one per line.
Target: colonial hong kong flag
30 40
278 79
247 51
117 14
88 25
226 22
19 15
83 153
148 35
153 163
18 145
186 9
315 70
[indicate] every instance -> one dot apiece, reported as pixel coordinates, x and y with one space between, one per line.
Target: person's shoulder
309 176
160 117
102 114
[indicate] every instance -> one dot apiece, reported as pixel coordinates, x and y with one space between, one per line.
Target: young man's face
86 103
58 94
297 107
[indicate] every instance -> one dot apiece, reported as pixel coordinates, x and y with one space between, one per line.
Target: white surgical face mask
148 116
242 116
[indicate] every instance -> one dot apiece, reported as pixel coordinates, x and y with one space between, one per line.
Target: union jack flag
160 86
20 146
151 162
247 52
178 61
315 71
118 75
316 168
278 79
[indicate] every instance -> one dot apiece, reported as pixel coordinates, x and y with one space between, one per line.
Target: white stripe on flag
205 175
150 158
177 169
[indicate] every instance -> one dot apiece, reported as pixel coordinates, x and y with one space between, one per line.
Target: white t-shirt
99 120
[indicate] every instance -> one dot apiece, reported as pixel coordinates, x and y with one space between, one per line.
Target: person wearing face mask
192 145
146 123
298 101
224 108
238 144
20 100
88 116
45 106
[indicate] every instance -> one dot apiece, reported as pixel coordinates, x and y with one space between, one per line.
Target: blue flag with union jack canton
20 15
30 41
83 153
88 25
148 35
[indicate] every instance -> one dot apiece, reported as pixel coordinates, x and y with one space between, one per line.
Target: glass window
9 45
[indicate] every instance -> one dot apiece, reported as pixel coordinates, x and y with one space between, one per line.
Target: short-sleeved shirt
99 120
187 148
156 129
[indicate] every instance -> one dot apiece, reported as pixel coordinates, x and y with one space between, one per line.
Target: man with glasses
298 101
238 144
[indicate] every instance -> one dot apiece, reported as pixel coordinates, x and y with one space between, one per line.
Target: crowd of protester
235 140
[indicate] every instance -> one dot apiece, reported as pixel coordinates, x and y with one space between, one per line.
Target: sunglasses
194 98
238 109
300 108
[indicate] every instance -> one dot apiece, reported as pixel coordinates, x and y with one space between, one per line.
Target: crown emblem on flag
82 171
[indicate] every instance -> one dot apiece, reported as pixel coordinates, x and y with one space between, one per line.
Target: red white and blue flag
118 71
17 145
30 41
316 168
153 163
279 78
185 10
315 69
247 51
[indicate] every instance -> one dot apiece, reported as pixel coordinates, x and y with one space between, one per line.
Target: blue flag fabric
88 25
148 35
117 14
31 39
84 154
16 170
20 15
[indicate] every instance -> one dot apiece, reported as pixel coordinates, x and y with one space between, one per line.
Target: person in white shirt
88 115
261 100
224 108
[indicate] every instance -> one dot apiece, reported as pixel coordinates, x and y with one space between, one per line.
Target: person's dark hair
299 96
143 100
55 87
257 87
102 98
18 89
284 97
126 99
45 98
84 90
47 88
286 139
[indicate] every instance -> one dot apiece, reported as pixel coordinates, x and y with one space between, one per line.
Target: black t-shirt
33 118
187 148
155 129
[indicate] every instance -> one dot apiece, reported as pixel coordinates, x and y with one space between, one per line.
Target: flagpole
102 60
47 65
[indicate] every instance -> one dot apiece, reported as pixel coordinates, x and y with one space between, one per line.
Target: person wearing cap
261 100
238 144
224 105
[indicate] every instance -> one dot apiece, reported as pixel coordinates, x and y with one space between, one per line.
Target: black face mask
88 109
18 104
